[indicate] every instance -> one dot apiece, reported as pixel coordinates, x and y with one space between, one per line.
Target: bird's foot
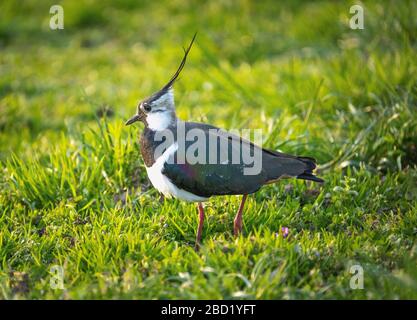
200 226
238 222
237 227
197 246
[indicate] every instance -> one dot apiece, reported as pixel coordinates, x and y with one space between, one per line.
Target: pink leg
238 222
200 225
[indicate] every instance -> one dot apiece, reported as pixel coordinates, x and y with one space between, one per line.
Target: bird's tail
308 173
281 165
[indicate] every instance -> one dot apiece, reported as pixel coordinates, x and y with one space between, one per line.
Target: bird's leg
238 222
200 225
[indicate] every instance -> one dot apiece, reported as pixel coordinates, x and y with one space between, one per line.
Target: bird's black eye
147 107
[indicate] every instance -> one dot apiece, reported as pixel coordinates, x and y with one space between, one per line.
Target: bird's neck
162 131
159 121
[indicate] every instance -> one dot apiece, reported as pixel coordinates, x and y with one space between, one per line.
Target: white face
160 113
160 120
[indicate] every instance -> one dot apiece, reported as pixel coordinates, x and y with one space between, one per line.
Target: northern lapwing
166 149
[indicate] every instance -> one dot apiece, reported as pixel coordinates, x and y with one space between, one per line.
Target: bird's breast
163 184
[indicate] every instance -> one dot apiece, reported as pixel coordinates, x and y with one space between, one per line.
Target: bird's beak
135 118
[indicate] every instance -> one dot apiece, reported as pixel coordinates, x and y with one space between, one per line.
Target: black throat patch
148 145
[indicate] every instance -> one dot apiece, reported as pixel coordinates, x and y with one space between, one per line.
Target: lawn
73 188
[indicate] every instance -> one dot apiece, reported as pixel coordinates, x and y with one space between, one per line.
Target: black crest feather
181 66
168 86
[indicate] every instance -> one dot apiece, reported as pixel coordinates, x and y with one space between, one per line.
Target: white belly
163 184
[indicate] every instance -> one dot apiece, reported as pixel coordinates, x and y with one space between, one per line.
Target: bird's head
158 111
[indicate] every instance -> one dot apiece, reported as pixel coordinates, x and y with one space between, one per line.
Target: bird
170 156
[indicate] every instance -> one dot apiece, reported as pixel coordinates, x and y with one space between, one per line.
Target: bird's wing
205 168
278 165
229 171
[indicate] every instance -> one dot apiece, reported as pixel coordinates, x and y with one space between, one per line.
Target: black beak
135 118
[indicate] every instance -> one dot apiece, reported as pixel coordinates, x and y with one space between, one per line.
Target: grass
73 191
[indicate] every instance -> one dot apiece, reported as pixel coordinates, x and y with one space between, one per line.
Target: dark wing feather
209 180
206 179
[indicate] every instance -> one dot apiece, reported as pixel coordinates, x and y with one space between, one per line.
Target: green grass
73 191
